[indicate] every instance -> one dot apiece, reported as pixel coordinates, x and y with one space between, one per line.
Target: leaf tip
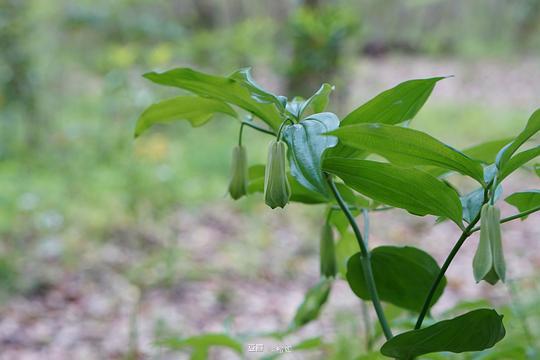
149 75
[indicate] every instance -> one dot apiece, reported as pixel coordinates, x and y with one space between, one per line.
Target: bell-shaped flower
488 262
328 252
277 190
239 173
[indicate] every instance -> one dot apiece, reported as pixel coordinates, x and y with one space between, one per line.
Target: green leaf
317 101
197 110
219 88
201 343
490 172
410 189
519 160
313 302
472 204
403 276
299 193
346 247
396 105
474 331
524 200
306 146
243 77
473 201
392 106
294 107
532 127
486 152
342 150
405 146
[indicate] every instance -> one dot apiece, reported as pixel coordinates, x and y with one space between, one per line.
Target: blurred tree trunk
319 32
206 14
313 4
529 23
302 79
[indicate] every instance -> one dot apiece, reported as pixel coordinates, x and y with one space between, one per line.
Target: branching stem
258 128
464 235
513 217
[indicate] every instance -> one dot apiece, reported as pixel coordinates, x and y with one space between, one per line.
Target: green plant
330 163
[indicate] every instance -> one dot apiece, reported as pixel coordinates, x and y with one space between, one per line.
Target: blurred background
109 243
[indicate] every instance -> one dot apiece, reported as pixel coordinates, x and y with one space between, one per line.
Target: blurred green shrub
319 37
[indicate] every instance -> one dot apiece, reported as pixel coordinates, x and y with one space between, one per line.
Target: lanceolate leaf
525 200
313 302
407 146
243 77
219 88
403 276
406 188
474 331
341 150
197 110
519 160
486 152
317 101
306 146
532 127
393 106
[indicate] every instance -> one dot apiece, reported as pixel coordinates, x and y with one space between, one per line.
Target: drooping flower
277 190
488 262
239 173
328 252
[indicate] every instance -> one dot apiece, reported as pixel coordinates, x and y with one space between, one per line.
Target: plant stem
367 326
466 233
385 208
513 217
241 133
365 312
365 216
282 126
366 260
253 126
